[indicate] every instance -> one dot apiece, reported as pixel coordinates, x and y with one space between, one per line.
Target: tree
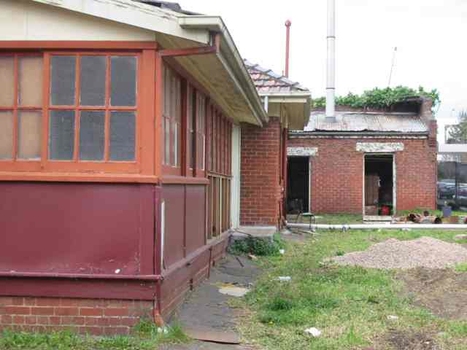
458 133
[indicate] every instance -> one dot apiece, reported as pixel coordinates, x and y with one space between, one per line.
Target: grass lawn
330 219
350 305
146 337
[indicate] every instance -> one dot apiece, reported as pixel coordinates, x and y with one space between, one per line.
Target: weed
257 246
461 267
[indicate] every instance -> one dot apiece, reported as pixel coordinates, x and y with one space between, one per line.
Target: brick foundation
86 316
337 174
260 174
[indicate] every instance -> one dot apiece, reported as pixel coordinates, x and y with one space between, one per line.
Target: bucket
447 211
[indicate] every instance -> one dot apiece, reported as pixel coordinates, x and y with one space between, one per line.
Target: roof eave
231 60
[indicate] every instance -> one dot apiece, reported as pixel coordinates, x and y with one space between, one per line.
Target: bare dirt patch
401 340
394 254
444 292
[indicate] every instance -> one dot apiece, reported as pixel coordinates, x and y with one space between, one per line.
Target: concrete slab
207 309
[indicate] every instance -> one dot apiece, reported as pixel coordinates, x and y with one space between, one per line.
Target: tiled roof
367 122
266 81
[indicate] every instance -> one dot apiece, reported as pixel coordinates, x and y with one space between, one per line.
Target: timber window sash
172 118
20 107
92 107
69 111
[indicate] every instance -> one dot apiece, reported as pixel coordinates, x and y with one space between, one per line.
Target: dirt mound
394 254
444 292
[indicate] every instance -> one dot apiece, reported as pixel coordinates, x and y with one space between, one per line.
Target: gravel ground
394 254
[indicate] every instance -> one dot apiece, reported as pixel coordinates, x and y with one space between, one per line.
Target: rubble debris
314 332
232 290
284 278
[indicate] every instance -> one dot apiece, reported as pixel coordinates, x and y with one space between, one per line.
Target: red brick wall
87 316
260 174
337 174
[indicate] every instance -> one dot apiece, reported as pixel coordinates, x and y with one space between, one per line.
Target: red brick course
86 316
260 174
337 173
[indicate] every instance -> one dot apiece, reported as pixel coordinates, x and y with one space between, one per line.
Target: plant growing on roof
380 98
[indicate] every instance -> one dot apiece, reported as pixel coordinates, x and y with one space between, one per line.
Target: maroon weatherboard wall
54 231
77 228
337 174
260 200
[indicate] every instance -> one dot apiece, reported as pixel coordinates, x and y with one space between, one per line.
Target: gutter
231 60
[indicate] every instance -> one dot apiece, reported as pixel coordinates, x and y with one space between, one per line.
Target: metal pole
287 47
331 63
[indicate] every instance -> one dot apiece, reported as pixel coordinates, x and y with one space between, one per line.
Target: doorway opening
298 185
379 185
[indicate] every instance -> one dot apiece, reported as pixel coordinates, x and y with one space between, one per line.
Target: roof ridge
280 78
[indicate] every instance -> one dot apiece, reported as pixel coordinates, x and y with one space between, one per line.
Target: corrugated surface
404 123
267 81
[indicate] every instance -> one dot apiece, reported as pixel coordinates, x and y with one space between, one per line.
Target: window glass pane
61 135
167 84
30 81
123 81
92 135
6 135
62 83
177 108
176 143
92 83
7 81
166 141
29 135
122 136
200 152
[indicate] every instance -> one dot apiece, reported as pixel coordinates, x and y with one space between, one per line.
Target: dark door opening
379 185
298 184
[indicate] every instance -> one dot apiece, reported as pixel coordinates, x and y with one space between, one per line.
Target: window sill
77 177
184 180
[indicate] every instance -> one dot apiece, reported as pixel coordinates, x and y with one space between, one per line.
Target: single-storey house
132 141
370 162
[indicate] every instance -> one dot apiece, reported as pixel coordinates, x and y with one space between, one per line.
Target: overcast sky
430 36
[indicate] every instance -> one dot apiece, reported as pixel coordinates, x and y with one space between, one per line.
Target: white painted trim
162 232
235 182
379 147
302 151
309 185
394 185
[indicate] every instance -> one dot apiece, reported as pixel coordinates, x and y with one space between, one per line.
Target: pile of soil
394 254
444 292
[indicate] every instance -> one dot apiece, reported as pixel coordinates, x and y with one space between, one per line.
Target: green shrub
257 246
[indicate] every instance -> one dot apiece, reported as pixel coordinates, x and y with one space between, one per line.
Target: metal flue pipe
287 47
331 63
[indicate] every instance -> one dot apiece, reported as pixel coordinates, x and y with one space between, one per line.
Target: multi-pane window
200 131
72 107
20 107
92 108
172 118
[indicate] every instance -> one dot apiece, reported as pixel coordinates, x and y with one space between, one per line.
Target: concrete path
206 311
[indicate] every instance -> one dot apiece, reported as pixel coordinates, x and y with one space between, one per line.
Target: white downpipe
380 226
235 182
331 62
